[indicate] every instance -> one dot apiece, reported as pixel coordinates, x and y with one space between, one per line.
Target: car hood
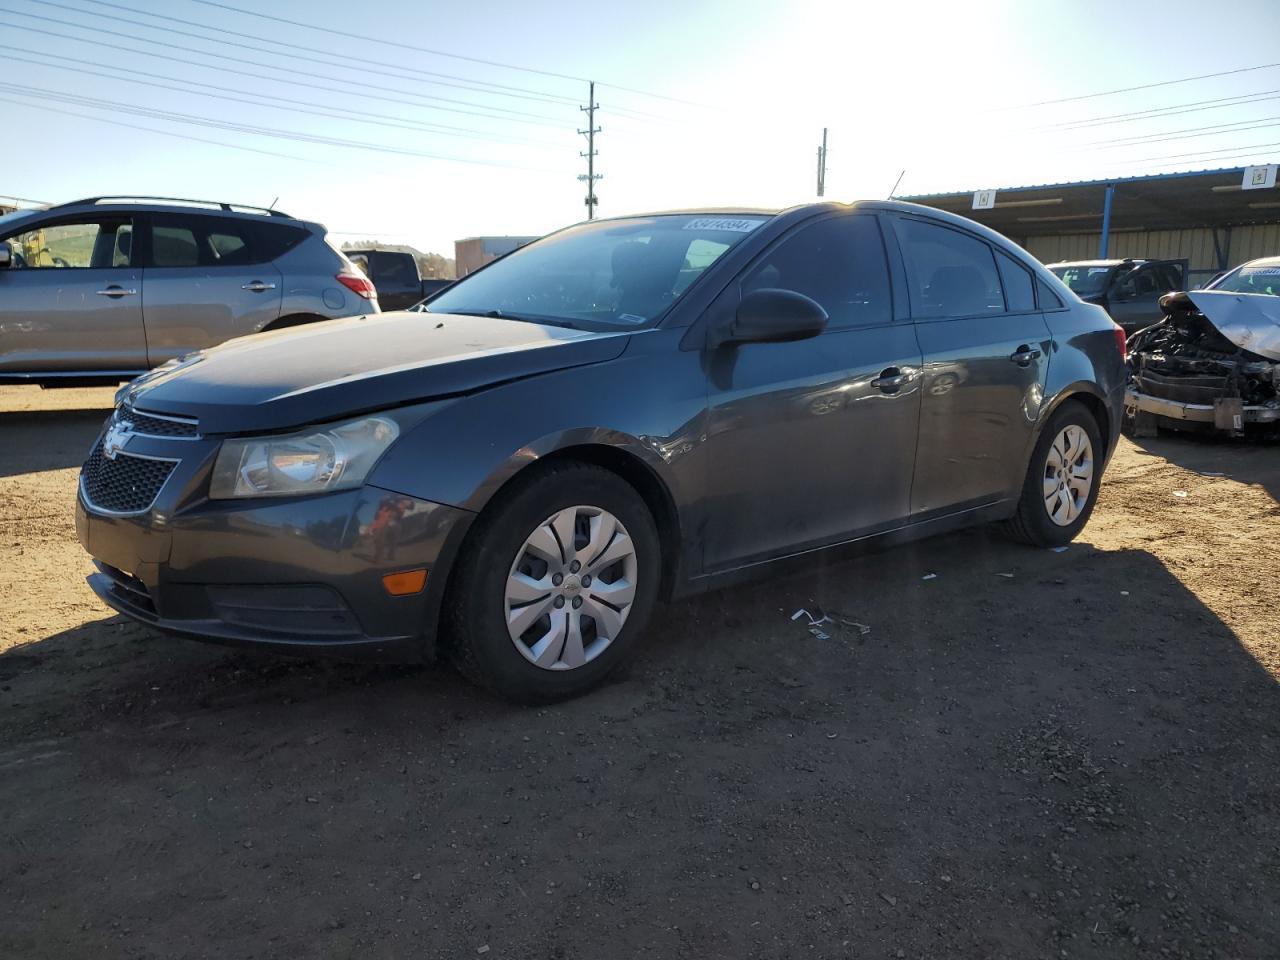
1249 320
328 370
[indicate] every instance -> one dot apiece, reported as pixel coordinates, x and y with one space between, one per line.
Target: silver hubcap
571 588
1068 475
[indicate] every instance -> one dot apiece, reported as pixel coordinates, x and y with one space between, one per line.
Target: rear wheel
556 585
1062 480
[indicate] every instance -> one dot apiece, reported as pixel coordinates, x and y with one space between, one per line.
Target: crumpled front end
1189 369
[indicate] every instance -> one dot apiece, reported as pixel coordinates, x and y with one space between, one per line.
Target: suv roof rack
229 207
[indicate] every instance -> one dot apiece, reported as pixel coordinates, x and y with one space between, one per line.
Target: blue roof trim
1185 174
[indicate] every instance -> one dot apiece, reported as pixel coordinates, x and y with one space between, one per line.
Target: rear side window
951 274
186 241
393 268
1048 299
839 262
1018 290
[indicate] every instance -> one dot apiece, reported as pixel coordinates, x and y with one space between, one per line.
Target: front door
813 442
71 301
206 282
986 354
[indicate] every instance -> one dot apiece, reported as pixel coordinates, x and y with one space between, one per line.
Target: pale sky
940 89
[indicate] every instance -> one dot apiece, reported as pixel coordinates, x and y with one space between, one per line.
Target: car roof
213 208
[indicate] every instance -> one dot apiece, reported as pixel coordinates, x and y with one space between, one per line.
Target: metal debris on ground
818 617
930 576
1057 549
1007 576
1179 493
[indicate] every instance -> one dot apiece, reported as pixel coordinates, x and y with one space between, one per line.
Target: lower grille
128 588
123 484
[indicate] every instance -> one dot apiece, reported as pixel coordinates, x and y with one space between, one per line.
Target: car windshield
1083 280
1261 276
609 274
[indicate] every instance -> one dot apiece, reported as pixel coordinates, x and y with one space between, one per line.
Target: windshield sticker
1263 272
630 318
1094 271
723 223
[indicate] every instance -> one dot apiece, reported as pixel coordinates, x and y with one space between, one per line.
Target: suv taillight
1121 341
361 286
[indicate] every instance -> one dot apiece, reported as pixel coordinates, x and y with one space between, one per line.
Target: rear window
179 240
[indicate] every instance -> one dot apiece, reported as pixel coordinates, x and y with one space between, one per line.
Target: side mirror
772 316
6 255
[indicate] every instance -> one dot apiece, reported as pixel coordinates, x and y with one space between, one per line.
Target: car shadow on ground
1027 753
47 439
1253 460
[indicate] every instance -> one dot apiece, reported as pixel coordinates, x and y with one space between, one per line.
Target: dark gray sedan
625 410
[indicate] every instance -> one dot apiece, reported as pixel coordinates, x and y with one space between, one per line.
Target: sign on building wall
986 199
1258 178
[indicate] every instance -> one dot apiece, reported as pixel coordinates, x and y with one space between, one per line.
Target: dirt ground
1033 754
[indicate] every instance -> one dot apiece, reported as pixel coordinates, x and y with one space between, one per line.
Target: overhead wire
514 115
296 106
328 55
298 136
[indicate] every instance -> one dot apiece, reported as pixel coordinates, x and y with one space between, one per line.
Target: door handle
257 286
114 291
891 380
1024 355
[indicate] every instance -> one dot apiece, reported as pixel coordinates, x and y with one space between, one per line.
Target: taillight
1121 341
361 286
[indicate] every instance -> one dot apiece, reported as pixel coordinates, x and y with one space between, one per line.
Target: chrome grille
155 425
125 484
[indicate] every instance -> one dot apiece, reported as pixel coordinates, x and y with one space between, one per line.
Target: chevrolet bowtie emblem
117 438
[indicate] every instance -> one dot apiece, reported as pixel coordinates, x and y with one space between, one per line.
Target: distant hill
429 264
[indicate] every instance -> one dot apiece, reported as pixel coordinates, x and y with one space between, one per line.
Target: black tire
476 635
1032 524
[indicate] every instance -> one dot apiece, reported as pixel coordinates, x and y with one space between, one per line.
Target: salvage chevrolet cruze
623 411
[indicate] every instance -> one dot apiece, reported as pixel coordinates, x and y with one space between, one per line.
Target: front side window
1085 281
607 274
839 263
951 273
1260 277
74 245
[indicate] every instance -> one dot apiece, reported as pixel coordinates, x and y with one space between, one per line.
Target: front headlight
336 457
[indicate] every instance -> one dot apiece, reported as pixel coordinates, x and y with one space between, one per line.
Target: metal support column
1106 222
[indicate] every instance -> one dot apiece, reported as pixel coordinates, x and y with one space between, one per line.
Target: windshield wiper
522 317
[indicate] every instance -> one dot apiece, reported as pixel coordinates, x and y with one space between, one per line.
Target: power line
174 116
1194 106
164 133
348 35
328 55
1189 134
515 117
1144 86
361 116
1201 153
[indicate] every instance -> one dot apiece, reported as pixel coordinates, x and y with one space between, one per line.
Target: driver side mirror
771 315
6 255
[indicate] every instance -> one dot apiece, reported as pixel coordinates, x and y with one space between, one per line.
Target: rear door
812 442
1134 301
986 354
207 279
71 302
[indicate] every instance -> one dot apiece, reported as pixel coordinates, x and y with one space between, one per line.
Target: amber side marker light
405 582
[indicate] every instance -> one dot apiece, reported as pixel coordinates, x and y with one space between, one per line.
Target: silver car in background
103 289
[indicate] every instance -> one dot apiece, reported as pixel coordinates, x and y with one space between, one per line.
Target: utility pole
822 165
590 133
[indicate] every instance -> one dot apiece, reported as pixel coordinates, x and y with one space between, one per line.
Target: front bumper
298 575
1205 413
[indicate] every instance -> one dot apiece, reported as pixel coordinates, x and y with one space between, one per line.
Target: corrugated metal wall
1195 246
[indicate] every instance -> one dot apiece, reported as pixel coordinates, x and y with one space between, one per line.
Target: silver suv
103 289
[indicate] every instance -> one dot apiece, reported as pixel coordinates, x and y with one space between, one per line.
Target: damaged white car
1214 360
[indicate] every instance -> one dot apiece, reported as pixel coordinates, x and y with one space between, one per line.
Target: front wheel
556 585
1062 480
